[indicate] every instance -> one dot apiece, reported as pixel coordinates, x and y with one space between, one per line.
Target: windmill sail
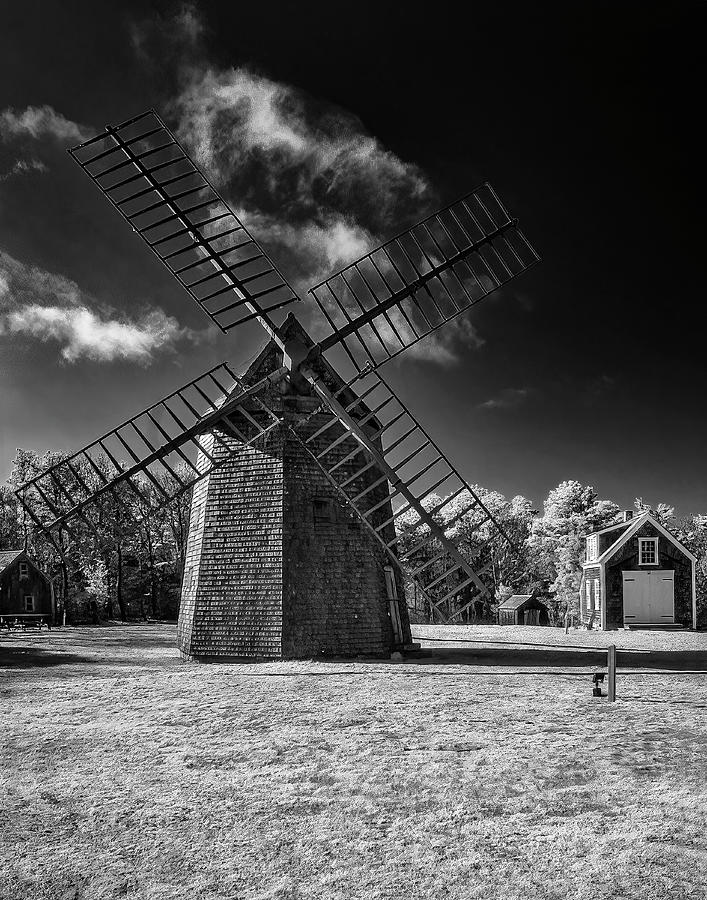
149 178
418 281
153 457
370 428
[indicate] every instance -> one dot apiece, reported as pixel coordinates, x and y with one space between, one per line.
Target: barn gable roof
637 523
7 557
515 601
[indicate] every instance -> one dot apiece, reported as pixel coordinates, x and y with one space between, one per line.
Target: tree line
124 561
130 565
545 547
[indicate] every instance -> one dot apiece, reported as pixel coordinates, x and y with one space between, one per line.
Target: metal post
611 666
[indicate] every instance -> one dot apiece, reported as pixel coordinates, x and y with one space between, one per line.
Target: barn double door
649 598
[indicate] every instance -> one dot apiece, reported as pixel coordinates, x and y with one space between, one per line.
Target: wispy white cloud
304 175
317 248
313 185
317 155
22 167
39 122
51 308
447 346
506 399
83 334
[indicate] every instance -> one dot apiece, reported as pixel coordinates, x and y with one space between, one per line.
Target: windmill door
648 597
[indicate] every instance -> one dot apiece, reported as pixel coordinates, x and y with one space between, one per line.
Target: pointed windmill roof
270 358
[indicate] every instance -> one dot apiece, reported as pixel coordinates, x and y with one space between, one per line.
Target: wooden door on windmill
392 592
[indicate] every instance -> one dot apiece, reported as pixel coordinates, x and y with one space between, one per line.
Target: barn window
592 547
29 603
323 511
648 551
24 570
596 596
588 593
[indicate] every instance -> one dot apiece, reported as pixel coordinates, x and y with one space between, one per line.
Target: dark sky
584 116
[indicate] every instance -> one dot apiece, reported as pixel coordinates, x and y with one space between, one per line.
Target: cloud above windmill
318 187
52 308
304 175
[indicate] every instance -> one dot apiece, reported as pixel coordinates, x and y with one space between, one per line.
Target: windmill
301 467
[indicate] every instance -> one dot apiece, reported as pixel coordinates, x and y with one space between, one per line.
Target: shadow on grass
674 660
34 657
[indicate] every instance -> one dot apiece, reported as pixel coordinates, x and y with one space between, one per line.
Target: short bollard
611 665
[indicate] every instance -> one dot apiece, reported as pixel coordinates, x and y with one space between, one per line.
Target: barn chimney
628 515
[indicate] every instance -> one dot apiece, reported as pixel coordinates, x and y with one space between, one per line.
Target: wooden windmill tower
301 467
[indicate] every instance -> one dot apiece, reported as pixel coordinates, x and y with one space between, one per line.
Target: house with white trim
636 573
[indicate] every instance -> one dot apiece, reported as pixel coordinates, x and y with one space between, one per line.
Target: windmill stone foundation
277 564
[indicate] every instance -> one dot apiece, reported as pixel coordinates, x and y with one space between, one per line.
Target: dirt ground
484 768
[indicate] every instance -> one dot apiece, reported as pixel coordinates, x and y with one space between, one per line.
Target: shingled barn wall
626 559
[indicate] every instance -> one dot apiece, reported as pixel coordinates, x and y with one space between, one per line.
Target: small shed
25 591
522 609
636 574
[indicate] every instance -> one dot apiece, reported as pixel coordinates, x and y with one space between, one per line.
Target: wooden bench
25 620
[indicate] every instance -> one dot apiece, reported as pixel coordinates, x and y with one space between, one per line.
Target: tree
570 512
477 539
663 512
119 550
11 535
692 532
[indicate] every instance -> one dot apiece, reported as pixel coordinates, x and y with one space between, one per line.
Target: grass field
483 769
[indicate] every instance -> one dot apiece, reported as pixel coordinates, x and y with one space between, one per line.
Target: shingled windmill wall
277 565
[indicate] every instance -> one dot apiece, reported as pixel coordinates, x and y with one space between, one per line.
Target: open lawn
483 769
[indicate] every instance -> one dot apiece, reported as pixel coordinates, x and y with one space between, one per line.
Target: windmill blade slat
381 433
418 281
155 186
164 448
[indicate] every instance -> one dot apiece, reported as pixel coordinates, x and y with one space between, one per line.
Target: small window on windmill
323 510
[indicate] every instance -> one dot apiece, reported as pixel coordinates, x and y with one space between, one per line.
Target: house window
29 603
592 547
648 551
588 593
596 596
24 570
323 511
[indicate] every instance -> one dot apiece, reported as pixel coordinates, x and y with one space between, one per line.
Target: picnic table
25 620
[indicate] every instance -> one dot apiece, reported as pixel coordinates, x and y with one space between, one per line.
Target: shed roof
7 557
636 523
515 601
